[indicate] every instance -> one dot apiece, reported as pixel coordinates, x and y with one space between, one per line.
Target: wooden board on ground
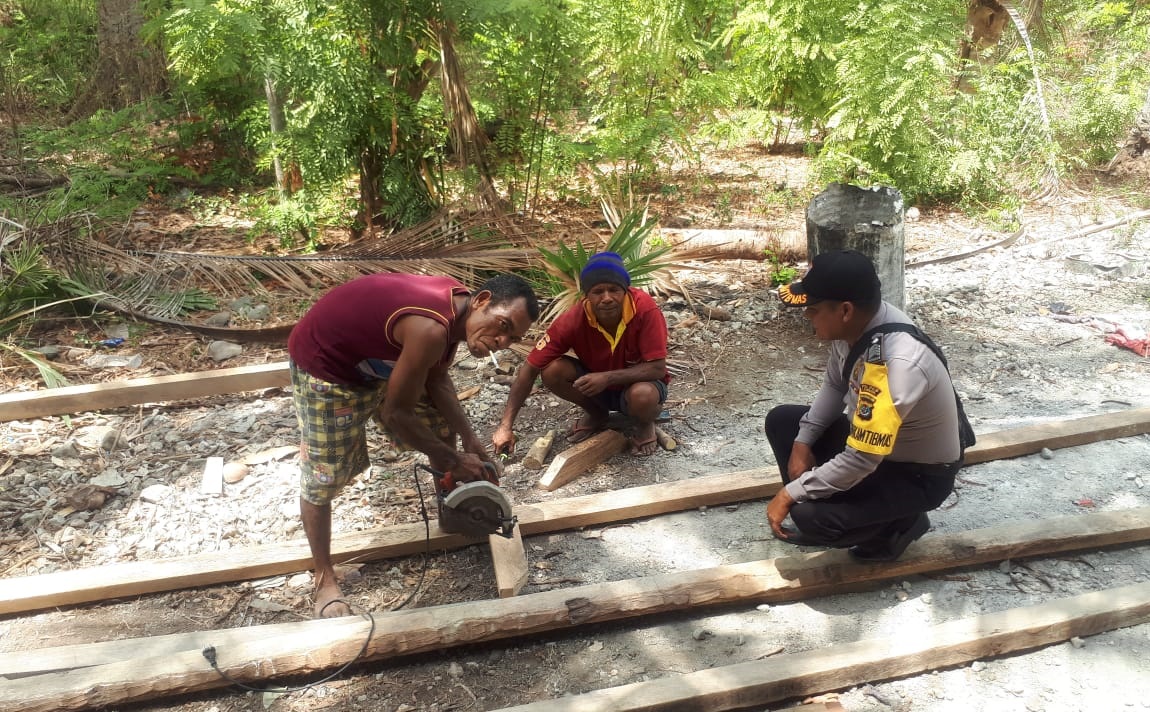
1030 439
176 666
762 682
510 561
101 396
581 457
115 580
537 455
63 588
665 441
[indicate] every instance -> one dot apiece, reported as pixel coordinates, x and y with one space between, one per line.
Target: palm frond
158 283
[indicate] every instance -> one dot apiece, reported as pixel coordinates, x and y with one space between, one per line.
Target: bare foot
328 603
644 442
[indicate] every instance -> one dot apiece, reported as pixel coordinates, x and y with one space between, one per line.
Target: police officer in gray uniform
877 449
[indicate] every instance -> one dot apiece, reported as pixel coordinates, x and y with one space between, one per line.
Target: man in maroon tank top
383 344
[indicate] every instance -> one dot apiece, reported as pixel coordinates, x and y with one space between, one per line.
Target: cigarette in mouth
493 361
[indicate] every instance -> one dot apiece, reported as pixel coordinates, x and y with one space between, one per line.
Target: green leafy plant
26 288
630 239
780 273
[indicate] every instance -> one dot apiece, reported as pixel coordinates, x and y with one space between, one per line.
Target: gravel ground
1024 328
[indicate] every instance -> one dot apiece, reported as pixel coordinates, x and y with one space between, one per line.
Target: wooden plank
581 457
537 455
958 642
665 441
510 562
1030 439
259 652
116 580
100 396
212 481
61 588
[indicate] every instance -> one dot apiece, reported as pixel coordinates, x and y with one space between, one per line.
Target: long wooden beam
135 578
62 588
156 667
763 682
99 396
1029 439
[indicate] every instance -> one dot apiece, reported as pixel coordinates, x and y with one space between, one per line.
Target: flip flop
579 432
638 445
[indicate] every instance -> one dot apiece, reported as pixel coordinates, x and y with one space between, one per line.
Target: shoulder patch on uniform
873 352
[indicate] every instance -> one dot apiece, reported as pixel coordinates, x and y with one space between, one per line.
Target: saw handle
445 481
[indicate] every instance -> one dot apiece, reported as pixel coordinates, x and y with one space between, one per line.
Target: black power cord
209 652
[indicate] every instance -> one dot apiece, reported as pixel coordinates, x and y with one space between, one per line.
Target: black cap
840 275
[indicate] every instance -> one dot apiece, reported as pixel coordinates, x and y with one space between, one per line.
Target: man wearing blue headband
619 338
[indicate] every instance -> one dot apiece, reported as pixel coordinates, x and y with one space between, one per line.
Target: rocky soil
1025 329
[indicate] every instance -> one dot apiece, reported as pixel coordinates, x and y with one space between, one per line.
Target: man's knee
560 372
783 419
642 398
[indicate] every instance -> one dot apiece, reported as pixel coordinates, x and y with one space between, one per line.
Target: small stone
977 666
701 634
66 451
223 350
113 361
219 319
455 671
1078 642
235 471
763 607
1046 453
155 493
49 352
108 478
113 440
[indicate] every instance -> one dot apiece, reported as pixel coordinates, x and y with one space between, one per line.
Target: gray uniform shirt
923 396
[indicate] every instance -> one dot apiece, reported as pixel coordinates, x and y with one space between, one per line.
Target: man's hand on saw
469 467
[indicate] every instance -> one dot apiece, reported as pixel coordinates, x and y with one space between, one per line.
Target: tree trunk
369 161
985 20
1138 140
276 122
1133 155
128 71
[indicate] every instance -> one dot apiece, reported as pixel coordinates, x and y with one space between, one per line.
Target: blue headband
604 267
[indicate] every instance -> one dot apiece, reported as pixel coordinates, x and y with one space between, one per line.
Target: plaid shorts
333 431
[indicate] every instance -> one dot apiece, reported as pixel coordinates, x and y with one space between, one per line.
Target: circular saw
474 509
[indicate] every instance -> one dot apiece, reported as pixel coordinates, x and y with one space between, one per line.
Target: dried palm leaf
157 285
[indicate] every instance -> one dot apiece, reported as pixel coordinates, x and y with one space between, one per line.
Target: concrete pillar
845 217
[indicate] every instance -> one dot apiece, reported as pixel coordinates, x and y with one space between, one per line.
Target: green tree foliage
354 77
784 55
47 50
649 72
575 87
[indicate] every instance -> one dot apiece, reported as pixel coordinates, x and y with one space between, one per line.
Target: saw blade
481 508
